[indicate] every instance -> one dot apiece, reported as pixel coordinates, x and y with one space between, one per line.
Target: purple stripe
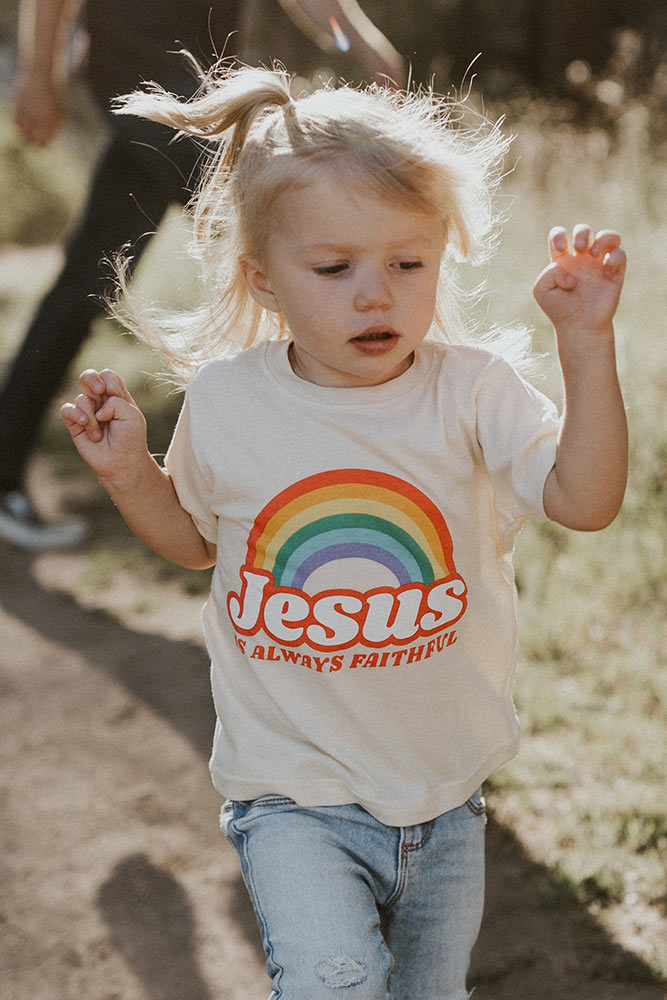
350 550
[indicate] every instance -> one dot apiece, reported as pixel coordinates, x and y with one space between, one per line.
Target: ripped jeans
351 909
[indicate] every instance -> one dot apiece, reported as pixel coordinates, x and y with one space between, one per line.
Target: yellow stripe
351 498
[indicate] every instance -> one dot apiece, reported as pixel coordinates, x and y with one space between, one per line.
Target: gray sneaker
21 525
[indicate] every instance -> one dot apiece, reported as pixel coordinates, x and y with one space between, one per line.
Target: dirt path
116 883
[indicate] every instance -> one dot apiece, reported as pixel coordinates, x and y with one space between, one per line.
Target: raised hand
109 432
107 427
579 292
580 288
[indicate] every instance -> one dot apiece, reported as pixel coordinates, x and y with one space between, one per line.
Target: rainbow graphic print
351 514
348 556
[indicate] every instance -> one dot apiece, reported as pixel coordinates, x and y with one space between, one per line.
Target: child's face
355 277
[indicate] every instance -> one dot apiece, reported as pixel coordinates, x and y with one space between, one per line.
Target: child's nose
374 290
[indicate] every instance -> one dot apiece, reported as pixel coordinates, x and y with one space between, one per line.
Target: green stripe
336 522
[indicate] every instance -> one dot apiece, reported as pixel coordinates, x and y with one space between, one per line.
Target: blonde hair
412 147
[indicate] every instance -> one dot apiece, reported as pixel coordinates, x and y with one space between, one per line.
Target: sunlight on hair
431 153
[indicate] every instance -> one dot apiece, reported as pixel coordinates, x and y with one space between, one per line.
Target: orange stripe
345 484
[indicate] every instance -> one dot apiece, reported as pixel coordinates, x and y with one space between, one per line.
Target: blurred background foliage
588 61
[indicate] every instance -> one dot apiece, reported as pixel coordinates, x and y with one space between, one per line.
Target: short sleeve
193 484
517 429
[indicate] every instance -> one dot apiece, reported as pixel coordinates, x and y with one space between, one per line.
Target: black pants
141 172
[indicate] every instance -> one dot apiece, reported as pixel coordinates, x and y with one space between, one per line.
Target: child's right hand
107 427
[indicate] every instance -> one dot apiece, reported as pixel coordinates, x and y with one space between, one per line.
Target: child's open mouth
375 340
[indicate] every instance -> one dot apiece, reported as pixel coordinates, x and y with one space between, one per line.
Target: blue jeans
349 907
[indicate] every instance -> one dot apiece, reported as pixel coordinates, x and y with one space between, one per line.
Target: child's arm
579 292
109 432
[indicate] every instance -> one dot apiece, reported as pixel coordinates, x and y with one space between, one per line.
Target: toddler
357 470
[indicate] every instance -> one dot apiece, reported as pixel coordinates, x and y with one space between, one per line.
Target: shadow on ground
153 925
537 939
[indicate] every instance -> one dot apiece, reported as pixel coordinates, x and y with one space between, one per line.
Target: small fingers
80 419
559 242
115 385
582 238
70 415
86 407
93 386
605 242
104 383
92 382
614 264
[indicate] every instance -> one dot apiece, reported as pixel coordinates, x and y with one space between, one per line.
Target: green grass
586 793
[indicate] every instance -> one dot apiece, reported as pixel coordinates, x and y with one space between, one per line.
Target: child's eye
331 268
409 265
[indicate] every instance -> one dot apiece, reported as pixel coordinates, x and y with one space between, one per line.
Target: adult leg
313 895
137 178
432 921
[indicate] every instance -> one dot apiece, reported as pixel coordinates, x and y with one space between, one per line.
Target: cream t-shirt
362 616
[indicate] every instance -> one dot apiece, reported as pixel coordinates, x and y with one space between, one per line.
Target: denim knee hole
341 971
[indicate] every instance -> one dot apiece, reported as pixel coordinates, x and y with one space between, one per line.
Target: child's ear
258 284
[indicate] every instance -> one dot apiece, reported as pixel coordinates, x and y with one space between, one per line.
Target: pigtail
220 116
228 100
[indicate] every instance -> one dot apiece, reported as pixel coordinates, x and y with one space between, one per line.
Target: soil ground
116 882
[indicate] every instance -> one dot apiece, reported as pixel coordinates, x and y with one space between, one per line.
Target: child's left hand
580 288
